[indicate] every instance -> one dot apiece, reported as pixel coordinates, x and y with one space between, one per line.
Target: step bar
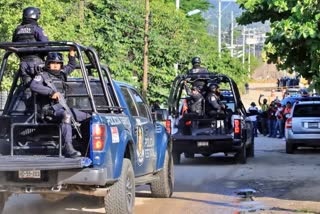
23 162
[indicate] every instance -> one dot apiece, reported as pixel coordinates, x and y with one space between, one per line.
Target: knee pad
66 118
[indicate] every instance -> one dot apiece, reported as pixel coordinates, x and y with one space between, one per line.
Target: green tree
293 42
116 28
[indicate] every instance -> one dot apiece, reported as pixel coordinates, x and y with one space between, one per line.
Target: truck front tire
120 199
176 158
3 198
162 187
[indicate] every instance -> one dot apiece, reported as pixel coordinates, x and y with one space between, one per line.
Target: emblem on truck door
140 150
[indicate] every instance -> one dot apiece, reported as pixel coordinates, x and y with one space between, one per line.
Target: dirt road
284 183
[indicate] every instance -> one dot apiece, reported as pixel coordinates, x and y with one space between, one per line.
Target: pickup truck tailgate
22 162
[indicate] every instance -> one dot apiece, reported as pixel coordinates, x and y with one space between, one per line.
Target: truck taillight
237 127
168 126
289 123
99 135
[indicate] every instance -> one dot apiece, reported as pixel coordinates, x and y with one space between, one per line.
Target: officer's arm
71 63
40 35
38 86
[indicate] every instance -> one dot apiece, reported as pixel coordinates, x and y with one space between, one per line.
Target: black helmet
54 57
196 60
195 88
31 13
213 87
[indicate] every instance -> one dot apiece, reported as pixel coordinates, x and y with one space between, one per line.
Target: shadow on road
216 159
34 204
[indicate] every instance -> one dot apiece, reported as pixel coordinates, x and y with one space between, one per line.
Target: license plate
202 143
313 125
29 174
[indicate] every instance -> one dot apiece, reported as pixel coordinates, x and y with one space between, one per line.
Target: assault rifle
62 101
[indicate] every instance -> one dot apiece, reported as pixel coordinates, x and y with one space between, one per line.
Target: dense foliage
293 42
116 28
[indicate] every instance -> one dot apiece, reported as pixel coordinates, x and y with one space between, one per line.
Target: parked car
293 99
302 128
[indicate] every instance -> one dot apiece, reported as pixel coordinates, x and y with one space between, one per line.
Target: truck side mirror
160 115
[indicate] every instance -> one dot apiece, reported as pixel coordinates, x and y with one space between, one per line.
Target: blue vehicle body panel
162 139
122 130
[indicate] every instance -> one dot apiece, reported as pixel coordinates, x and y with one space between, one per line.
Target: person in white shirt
253 112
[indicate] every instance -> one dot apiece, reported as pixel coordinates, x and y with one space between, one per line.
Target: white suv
302 128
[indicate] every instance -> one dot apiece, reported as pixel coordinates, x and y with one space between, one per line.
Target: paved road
284 183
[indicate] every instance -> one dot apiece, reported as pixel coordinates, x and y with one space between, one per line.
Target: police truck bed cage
26 123
63 46
177 89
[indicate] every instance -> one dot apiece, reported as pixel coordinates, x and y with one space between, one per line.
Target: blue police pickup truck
122 146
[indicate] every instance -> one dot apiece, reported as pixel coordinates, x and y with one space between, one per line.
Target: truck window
141 106
131 107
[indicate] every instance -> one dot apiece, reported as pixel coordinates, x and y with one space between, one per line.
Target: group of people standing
273 117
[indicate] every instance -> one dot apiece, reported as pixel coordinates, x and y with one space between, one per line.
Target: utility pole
81 12
145 52
231 42
254 44
243 44
219 27
249 53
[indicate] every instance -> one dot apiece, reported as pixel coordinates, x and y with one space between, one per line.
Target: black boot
70 152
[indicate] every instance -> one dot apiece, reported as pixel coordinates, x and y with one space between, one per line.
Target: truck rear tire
250 150
120 199
206 154
188 155
163 186
289 148
176 158
241 156
3 198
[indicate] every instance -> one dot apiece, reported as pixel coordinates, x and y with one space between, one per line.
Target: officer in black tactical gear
196 68
29 31
49 97
195 100
213 104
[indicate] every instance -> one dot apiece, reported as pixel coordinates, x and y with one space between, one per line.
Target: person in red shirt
287 110
280 120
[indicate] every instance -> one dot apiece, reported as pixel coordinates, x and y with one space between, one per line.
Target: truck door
143 132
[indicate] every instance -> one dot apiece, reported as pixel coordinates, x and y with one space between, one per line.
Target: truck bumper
50 172
87 176
204 144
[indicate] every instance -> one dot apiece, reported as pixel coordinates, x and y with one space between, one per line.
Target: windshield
307 110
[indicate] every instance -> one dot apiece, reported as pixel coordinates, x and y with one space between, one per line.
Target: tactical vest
198 70
209 107
49 80
26 33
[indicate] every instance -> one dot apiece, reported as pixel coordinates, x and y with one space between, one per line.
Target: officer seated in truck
195 100
214 106
51 100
